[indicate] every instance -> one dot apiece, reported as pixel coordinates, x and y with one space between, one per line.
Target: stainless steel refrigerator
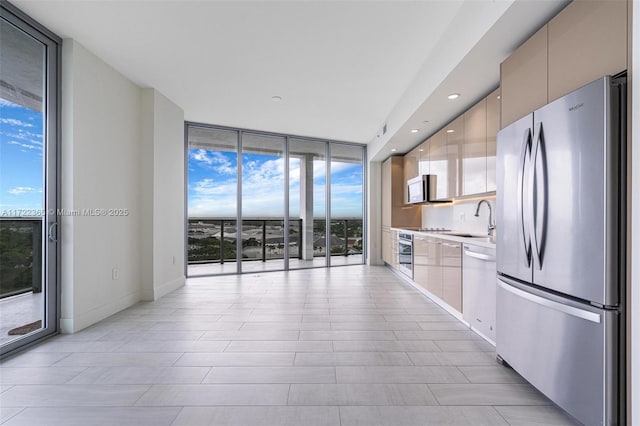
561 250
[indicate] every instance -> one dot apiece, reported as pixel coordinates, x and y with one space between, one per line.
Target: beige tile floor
345 346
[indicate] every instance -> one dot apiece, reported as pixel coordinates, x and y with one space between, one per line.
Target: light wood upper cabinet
462 155
523 78
423 164
439 163
474 150
411 167
587 40
493 126
386 200
455 142
394 211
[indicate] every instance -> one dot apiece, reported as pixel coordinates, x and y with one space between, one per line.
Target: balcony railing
214 240
20 255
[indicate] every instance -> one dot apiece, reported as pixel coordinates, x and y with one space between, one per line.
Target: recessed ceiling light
498 97
276 98
450 131
393 150
454 96
420 150
415 130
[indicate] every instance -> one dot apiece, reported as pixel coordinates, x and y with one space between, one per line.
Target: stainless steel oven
405 253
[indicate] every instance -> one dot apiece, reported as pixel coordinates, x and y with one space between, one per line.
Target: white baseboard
168 287
491 342
146 295
444 305
66 325
84 320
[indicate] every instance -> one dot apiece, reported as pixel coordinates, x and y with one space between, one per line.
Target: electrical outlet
115 274
462 217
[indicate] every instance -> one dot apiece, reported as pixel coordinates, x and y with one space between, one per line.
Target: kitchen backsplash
459 216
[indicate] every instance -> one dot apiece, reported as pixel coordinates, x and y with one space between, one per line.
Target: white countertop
488 242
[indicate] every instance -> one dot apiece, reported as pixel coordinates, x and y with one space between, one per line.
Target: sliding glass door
212 201
28 182
307 203
263 197
347 204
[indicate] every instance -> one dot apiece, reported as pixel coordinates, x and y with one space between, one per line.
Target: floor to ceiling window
307 203
266 197
263 202
346 183
28 190
213 200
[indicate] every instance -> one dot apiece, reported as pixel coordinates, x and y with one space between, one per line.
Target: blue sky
21 149
212 176
212 186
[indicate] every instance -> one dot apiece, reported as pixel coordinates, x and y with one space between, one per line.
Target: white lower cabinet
479 289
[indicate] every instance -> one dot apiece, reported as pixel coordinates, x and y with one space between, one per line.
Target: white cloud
263 189
209 187
213 198
23 190
7 104
24 145
214 160
24 135
14 122
345 189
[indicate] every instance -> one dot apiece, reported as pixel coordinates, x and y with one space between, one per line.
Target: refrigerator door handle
526 236
569 310
538 196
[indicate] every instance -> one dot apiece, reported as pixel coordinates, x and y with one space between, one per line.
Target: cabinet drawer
452 287
451 254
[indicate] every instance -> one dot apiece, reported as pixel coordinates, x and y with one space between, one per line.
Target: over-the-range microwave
422 189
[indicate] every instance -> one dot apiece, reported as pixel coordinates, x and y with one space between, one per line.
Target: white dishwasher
479 289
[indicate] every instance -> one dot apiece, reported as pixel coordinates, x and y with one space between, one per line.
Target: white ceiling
343 69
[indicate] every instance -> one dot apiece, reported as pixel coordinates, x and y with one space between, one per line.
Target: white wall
163 193
105 166
100 158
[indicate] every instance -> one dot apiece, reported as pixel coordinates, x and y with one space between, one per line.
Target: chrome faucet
492 226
